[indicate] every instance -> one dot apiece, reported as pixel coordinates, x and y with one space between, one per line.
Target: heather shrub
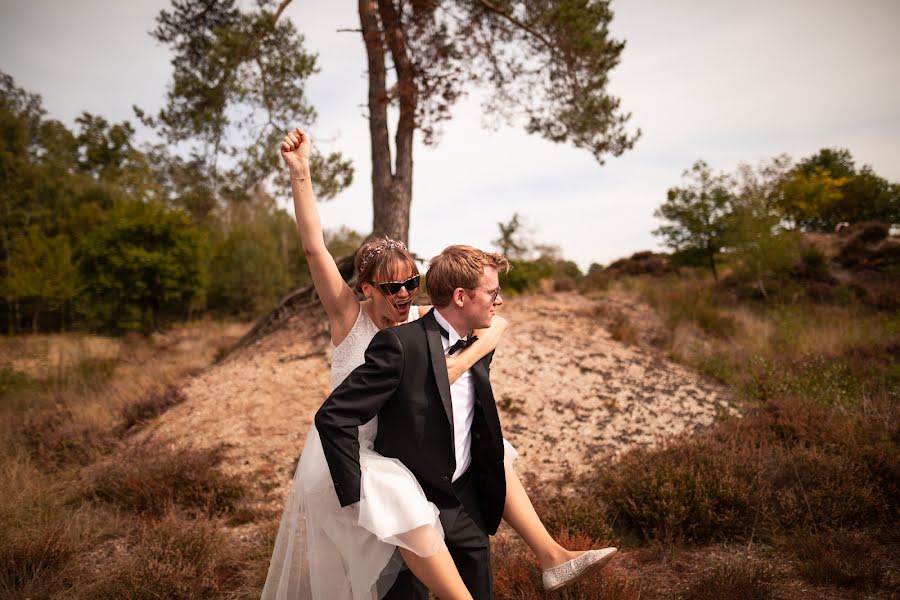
562 514
152 478
841 558
517 575
12 381
787 466
32 559
176 557
58 436
150 406
684 492
735 580
42 538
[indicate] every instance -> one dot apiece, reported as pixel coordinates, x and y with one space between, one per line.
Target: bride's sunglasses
393 287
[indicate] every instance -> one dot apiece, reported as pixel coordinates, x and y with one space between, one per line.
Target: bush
152 478
31 559
12 381
144 264
682 300
789 466
58 437
839 558
248 276
150 406
176 557
642 263
685 492
737 580
517 575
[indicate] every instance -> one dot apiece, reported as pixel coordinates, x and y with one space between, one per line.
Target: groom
447 436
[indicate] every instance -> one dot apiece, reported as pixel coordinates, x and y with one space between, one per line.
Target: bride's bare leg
519 513
439 574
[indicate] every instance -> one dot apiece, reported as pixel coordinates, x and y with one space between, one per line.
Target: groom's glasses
492 293
393 287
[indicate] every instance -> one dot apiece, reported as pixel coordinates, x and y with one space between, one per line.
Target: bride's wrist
299 172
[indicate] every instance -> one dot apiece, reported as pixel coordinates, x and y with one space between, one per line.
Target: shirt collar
453 335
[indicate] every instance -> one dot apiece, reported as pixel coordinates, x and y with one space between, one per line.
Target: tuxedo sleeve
353 403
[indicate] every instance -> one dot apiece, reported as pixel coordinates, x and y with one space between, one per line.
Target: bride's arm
337 298
487 341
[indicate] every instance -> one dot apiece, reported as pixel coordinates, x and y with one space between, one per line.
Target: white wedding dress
327 552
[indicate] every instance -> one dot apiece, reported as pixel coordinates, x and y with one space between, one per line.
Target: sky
723 81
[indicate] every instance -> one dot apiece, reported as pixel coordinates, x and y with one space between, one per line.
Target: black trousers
467 540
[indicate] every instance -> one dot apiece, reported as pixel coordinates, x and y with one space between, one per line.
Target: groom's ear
458 297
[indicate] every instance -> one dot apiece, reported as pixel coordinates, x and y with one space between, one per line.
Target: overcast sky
727 82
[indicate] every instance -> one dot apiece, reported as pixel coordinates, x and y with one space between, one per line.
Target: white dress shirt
462 397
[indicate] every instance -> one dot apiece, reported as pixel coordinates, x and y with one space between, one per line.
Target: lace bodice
351 352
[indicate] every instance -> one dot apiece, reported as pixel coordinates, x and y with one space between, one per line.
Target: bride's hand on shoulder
295 149
486 342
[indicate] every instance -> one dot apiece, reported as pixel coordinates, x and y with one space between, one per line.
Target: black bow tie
460 343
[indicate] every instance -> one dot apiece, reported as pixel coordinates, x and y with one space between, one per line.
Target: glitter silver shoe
571 571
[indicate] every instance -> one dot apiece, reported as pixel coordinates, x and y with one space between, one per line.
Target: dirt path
568 393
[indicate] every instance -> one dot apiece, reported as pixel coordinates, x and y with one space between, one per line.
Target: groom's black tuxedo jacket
404 382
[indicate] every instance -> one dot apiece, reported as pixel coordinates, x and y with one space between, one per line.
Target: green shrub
145 263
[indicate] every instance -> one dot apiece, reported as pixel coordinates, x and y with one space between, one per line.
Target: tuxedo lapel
485 396
439 363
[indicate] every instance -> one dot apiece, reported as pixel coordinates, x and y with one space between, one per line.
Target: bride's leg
439 574
519 513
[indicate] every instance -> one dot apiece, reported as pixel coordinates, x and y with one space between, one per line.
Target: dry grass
143 531
810 471
153 404
152 478
735 580
174 557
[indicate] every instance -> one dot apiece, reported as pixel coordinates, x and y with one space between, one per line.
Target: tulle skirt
324 551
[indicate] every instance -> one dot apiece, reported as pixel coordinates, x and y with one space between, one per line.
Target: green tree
41 272
697 214
144 263
826 189
247 274
545 64
238 84
511 242
809 198
760 249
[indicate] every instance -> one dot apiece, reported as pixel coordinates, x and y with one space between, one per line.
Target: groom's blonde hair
459 267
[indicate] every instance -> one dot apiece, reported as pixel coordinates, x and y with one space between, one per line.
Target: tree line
750 215
98 233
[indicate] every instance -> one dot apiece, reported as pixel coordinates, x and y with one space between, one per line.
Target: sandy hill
569 394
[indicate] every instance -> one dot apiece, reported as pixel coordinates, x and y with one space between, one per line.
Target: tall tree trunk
391 188
712 264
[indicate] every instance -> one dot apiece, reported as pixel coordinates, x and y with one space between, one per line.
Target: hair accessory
385 244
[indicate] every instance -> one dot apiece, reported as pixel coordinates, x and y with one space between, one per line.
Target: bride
327 552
